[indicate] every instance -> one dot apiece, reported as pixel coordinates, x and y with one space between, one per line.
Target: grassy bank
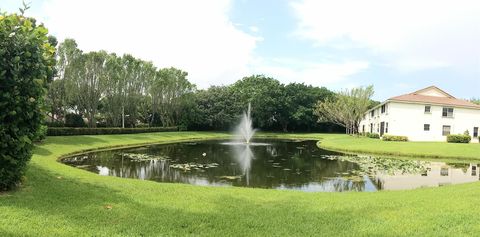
412 149
61 200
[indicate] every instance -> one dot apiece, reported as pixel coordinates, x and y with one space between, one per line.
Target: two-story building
429 114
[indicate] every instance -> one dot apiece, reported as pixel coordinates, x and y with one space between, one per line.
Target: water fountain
245 130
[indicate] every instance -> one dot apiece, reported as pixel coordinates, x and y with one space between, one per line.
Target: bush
41 133
372 135
458 138
74 121
394 138
103 131
26 64
57 124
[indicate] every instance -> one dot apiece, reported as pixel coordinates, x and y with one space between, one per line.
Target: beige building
429 114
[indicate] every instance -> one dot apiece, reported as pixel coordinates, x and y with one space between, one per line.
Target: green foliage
266 96
74 121
104 131
126 91
171 92
394 138
216 109
57 124
41 133
452 138
300 105
347 108
26 64
372 135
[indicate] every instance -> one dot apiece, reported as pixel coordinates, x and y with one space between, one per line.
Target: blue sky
397 46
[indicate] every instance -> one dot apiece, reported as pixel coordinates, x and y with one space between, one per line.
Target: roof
434 95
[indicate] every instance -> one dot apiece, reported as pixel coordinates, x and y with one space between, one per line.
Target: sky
396 46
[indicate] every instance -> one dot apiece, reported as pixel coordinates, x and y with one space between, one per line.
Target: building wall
406 119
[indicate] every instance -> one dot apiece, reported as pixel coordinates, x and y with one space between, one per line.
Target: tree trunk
123 116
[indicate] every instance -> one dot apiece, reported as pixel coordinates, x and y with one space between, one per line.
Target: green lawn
61 200
414 149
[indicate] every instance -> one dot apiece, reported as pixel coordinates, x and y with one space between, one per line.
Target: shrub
394 138
372 135
74 121
41 133
102 131
458 138
26 64
57 124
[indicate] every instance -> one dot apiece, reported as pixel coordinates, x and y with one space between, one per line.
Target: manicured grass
58 200
413 149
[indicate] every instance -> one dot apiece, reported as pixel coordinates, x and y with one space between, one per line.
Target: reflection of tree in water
283 164
341 185
463 166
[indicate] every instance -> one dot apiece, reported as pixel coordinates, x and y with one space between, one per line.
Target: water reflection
295 165
243 155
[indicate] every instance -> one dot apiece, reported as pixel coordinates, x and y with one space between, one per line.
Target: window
371 128
447 112
386 127
363 128
372 113
446 130
444 171
383 108
428 109
426 127
475 132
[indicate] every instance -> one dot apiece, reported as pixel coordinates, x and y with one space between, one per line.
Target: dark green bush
26 64
372 135
56 124
394 138
458 138
74 121
102 131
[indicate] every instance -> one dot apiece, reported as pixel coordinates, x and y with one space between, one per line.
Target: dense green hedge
26 64
394 138
371 135
458 138
101 131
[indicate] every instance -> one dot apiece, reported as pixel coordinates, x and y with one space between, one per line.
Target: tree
56 100
475 101
266 96
26 65
67 67
347 108
86 80
300 104
170 91
215 108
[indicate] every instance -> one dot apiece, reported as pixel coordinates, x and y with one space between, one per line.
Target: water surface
271 164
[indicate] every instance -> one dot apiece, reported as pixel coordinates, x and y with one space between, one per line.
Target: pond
271 164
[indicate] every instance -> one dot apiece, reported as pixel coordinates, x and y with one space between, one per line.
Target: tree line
115 91
109 90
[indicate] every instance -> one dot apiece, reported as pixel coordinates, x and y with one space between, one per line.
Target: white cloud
196 36
409 35
254 29
312 73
